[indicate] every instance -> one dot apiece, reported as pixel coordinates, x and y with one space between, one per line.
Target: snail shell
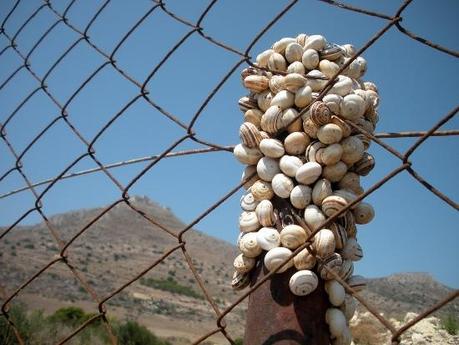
303 96
348 223
290 164
336 292
352 107
263 57
276 62
250 135
271 120
246 103
312 151
340 235
342 87
296 67
317 80
284 99
351 181
267 168
333 204
368 85
330 264
310 128
334 172
357 283
310 59
253 116
336 321
275 257
248 202
282 185
313 216
240 280
247 155
322 189
272 148
364 165
331 52
248 221
349 49
347 268
303 282
329 134
328 68
353 70
316 42
372 98
249 71
249 171
345 128
308 173
243 264
262 190
291 120
256 83
349 306
363 213
300 196
304 260
294 81
320 113
324 243
293 52
333 102
276 83
265 213
301 39
329 155
295 143
366 141
249 246
352 250
348 195
268 238
292 236
264 100
281 45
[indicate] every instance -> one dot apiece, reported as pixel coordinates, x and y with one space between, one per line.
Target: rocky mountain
167 299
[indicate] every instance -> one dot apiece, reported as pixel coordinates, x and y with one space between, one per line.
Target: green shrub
450 324
131 333
170 285
70 316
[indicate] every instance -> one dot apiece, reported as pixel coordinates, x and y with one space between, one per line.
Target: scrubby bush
170 285
450 324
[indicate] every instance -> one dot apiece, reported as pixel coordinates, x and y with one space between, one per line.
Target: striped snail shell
256 83
292 236
265 213
248 202
348 223
276 257
303 282
271 121
330 264
332 204
268 238
346 270
324 243
250 135
243 264
262 190
340 235
320 113
322 189
249 246
248 222
312 150
240 280
304 260
364 165
363 213
246 103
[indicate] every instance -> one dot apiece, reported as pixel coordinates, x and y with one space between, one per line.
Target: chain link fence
188 134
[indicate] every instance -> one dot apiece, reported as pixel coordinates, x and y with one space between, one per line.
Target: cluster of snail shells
310 153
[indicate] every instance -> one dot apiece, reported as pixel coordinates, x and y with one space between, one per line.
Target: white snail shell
336 321
249 171
310 58
263 57
313 216
249 246
352 107
363 213
281 45
329 134
267 168
284 99
303 282
248 202
303 96
290 164
304 260
349 306
296 67
265 213
262 190
317 80
276 257
295 143
293 236
243 264
268 238
248 222
336 292
247 155
334 172
308 173
330 155
322 189
276 62
272 148
282 185
342 87
300 196
316 42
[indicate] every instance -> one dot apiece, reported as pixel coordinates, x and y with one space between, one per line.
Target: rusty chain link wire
188 134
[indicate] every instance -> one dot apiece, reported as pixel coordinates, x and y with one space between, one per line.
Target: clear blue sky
412 231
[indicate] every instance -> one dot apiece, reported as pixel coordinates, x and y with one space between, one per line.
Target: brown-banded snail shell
256 83
336 292
348 223
329 265
363 213
267 168
243 264
240 280
248 202
346 270
292 236
282 185
247 102
268 238
277 256
324 243
352 250
304 260
247 155
312 150
250 135
249 246
272 148
310 128
340 235
295 143
249 71
329 134
290 164
332 52
322 188
303 282
271 121
364 165
333 204
300 196
320 113
265 213
262 190
313 216
366 141
308 173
